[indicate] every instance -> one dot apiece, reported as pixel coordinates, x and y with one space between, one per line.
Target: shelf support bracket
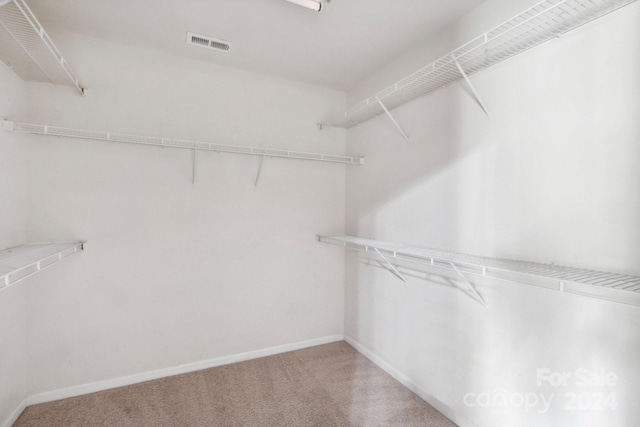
469 285
473 90
259 170
393 270
392 119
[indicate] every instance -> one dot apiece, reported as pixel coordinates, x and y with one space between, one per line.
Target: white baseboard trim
93 387
16 413
402 379
97 386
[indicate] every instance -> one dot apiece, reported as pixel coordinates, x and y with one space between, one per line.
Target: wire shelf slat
178 143
543 21
596 284
21 262
28 50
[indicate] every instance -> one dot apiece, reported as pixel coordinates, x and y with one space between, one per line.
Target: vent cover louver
208 42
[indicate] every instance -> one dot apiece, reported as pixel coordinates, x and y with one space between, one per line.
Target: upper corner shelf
591 283
27 49
544 21
21 262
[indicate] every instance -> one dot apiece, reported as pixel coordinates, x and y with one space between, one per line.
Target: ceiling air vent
208 42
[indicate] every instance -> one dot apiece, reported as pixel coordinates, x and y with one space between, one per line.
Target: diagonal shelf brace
392 119
469 285
259 170
390 266
473 89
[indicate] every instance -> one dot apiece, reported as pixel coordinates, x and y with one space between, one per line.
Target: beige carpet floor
327 385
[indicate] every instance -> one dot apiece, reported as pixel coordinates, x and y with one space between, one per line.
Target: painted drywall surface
13 178
552 176
13 231
175 272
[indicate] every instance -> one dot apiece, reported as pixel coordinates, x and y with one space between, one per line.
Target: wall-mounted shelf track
596 284
23 261
544 21
177 143
27 49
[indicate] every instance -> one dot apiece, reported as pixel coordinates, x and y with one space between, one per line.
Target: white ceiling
335 48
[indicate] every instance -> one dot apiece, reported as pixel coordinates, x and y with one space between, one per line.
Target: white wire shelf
27 49
176 143
544 21
596 284
23 261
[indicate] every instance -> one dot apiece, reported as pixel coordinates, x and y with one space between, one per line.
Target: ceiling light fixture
309 4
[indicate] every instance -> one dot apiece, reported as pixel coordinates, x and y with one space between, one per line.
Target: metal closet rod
11 126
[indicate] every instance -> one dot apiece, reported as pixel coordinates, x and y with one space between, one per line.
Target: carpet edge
93 387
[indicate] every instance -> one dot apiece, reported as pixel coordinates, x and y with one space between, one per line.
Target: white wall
13 231
551 177
174 273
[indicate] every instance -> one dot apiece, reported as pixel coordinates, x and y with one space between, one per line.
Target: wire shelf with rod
591 283
21 262
38 129
544 21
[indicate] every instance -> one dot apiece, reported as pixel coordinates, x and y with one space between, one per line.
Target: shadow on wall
551 177
426 317
394 166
